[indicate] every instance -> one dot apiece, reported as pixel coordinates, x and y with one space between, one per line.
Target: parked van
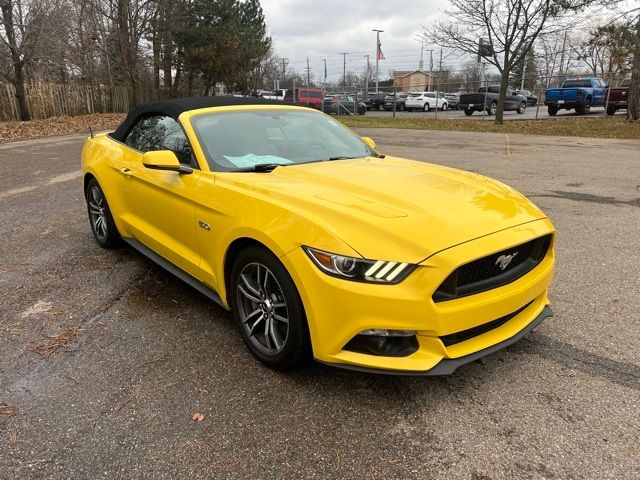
311 97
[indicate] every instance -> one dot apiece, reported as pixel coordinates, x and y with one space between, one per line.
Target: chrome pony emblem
503 261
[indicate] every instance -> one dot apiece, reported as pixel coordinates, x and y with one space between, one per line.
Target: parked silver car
453 99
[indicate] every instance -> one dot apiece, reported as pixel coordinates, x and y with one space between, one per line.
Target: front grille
463 335
486 273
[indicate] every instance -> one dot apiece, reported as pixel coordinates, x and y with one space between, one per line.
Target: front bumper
338 310
449 365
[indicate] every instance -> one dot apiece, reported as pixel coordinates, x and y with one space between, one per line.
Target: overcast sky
322 29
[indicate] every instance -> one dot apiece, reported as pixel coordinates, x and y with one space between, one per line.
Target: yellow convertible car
318 244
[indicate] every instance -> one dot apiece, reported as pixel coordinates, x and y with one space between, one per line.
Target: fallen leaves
58 342
197 417
15 131
6 409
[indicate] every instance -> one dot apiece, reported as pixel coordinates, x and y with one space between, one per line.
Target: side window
160 133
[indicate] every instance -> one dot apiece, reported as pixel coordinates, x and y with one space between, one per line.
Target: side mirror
164 160
369 141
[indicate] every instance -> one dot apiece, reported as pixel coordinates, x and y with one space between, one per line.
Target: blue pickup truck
578 93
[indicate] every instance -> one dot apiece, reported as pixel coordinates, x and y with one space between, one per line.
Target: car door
599 92
160 210
511 99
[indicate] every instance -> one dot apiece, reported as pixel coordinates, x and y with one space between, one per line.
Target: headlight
358 269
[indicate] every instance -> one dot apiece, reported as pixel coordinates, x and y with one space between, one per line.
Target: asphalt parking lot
529 114
134 352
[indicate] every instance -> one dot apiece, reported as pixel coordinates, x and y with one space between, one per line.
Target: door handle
126 172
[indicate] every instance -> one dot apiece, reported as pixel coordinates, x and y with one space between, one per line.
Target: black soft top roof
174 107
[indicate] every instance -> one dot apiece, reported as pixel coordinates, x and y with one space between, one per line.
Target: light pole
378 32
367 75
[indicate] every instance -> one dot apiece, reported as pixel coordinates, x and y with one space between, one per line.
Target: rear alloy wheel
268 310
102 224
426 107
468 112
444 107
522 108
587 107
492 108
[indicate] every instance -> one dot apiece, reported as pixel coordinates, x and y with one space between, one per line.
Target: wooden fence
52 100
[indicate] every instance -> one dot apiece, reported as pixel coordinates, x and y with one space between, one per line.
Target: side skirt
178 272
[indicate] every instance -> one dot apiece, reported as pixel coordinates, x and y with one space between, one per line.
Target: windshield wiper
260 167
345 157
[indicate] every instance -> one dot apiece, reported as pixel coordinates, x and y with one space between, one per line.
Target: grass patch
595 127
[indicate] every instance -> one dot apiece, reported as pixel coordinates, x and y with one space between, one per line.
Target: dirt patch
56 126
58 342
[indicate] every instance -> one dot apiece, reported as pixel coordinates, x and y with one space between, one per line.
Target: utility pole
430 66
344 68
308 73
366 87
428 87
324 82
440 63
378 32
284 70
524 71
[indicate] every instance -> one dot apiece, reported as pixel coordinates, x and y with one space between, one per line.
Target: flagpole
377 53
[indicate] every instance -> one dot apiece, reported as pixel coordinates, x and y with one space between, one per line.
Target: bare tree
23 24
633 110
509 27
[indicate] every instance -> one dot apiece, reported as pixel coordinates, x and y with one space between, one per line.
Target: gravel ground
105 357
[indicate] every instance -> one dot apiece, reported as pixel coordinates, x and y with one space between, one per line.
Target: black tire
522 108
100 219
611 109
402 107
444 107
426 107
296 347
362 111
491 110
468 112
381 108
552 110
584 109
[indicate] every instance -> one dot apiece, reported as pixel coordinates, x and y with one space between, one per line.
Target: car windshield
243 139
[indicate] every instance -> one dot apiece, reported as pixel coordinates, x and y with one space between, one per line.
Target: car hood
391 208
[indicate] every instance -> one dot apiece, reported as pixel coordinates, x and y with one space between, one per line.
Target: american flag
380 54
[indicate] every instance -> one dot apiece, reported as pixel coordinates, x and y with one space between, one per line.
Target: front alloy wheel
102 224
268 310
